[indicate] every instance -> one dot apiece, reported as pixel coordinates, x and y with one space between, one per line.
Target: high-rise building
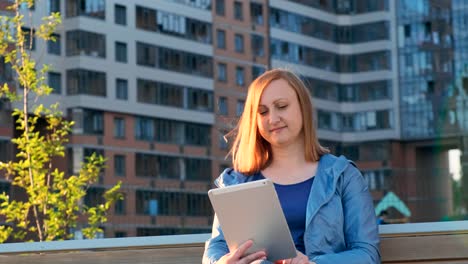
155 85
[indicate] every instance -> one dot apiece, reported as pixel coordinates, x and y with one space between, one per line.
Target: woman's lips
276 129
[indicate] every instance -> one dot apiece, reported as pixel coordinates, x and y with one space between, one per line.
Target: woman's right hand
237 257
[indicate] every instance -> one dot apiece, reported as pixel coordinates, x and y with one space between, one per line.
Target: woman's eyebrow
279 99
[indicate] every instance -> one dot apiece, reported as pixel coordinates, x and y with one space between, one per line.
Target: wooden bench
445 242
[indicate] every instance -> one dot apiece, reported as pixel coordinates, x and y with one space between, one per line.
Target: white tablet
252 211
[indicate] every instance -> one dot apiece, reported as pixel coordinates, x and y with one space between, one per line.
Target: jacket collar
329 169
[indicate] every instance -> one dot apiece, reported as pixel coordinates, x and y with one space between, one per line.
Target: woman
324 198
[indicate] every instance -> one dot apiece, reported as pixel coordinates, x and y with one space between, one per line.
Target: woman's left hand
299 259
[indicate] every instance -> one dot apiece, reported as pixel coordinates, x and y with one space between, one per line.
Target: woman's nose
274 117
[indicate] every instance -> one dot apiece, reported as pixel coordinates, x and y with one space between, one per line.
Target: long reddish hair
250 151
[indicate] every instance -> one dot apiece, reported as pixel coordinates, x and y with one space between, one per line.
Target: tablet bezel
252 211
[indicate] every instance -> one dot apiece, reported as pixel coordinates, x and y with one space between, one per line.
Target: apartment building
155 85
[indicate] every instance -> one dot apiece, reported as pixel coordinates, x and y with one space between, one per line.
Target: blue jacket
340 220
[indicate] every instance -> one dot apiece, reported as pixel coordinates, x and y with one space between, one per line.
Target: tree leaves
53 201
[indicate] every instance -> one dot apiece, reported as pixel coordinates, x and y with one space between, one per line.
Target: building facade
155 85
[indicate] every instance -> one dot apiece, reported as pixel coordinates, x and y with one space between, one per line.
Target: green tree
53 199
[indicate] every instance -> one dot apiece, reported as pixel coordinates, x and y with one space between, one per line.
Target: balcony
438 242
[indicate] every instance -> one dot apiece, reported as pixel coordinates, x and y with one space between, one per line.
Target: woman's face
279 115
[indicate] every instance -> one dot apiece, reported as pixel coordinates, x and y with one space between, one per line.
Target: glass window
119 165
198 169
220 7
93 122
119 209
221 39
54 46
120 13
156 166
238 15
55 82
223 145
240 76
119 127
257 45
81 81
201 100
256 13
222 72
53 6
146 18
144 128
154 92
174 60
80 42
257 71
121 89
222 105
146 54
90 8
239 43
29 43
197 134
121 52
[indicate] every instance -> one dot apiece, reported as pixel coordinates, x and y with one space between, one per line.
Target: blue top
293 199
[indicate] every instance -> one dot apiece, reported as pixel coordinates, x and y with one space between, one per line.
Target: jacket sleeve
216 246
360 226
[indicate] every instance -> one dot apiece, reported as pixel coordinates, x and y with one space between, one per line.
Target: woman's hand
237 257
299 259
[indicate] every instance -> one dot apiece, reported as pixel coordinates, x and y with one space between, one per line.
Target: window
144 128
201 100
6 72
222 105
55 82
119 207
119 127
119 165
240 76
120 234
53 46
239 43
257 45
238 11
257 71
156 166
80 42
221 39
121 87
222 72
146 54
154 92
223 145
120 52
29 43
53 6
197 134
256 13
220 7
80 81
120 13
146 18
94 196
93 122
174 60
240 107
198 169
91 8
5 155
